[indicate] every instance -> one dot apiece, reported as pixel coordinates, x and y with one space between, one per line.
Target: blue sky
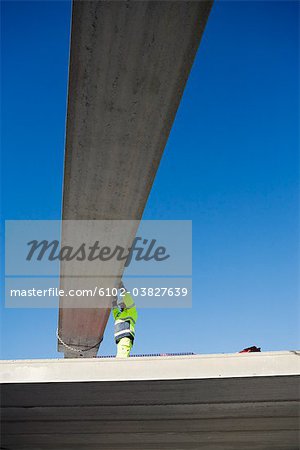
231 165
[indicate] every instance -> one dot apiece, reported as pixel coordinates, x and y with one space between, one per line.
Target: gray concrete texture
129 64
213 402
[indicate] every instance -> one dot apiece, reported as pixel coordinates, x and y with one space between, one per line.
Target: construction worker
125 315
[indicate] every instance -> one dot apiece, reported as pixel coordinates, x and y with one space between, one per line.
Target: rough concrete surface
129 63
228 402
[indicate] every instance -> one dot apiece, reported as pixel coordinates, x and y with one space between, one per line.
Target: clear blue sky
231 165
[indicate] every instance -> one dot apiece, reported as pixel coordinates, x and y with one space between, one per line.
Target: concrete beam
129 64
237 401
151 368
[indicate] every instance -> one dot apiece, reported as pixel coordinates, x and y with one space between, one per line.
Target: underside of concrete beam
129 64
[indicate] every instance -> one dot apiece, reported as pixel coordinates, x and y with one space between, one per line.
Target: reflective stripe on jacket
125 320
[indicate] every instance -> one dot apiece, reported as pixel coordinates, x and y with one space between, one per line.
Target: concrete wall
129 64
224 402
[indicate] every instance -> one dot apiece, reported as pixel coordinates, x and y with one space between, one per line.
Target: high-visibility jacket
125 319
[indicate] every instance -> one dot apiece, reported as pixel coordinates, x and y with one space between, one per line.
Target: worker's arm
129 307
115 309
128 301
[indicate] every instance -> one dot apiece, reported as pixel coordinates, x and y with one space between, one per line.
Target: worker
125 315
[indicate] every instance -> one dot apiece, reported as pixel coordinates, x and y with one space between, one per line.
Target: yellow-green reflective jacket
125 320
